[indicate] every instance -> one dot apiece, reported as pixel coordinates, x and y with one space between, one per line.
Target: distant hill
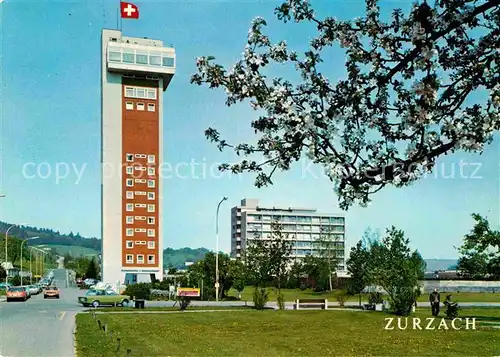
440 264
77 245
49 236
73 250
177 257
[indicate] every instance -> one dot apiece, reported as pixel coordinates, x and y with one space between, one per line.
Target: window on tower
140 106
129 106
141 58
151 107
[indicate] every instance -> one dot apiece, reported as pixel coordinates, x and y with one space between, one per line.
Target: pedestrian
435 299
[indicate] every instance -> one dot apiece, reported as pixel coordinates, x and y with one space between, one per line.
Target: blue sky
51 114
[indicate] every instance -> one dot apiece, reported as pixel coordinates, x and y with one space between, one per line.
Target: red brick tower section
140 130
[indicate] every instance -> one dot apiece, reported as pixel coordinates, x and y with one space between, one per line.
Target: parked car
98 298
51 292
28 292
33 290
5 285
16 293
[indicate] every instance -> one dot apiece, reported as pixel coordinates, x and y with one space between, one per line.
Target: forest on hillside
171 257
49 236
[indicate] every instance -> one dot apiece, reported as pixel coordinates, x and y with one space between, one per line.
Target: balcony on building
133 59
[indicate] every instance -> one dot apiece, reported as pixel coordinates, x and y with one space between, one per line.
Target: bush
260 298
403 301
139 291
341 298
281 301
375 298
16 280
184 302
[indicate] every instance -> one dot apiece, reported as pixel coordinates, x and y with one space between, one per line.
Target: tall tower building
135 73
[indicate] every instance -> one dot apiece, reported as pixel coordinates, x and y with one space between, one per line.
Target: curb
3 299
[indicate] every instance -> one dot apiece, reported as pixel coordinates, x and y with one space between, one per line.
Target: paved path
40 327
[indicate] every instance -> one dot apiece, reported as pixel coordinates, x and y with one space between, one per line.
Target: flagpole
121 20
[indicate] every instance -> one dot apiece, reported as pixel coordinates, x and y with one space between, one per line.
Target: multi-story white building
135 73
302 225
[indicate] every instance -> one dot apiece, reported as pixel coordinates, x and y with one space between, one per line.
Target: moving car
16 293
51 292
98 298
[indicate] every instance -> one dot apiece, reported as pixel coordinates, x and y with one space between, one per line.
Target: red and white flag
129 10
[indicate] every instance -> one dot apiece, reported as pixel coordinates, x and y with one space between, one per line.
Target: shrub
260 298
184 302
139 291
403 301
281 301
16 280
375 298
341 298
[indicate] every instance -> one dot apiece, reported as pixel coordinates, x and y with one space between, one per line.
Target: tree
92 270
238 272
3 273
327 250
397 270
295 274
480 251
316 268
204 271
358 266
406 100
268 259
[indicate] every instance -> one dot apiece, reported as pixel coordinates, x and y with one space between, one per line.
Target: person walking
435 300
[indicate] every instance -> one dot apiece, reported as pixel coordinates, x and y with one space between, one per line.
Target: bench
310 303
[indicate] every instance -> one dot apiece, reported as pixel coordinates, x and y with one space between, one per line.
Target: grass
2 292
294 294
279 333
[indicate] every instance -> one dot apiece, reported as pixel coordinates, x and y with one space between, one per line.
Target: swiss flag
129 10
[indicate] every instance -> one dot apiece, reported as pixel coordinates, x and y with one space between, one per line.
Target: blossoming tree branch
418 85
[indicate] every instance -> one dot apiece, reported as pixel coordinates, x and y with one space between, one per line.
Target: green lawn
279 333
293 294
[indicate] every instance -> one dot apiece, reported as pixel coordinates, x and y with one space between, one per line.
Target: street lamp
217 250
6 259
41 262
22 258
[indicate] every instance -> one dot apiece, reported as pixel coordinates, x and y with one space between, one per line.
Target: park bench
310 303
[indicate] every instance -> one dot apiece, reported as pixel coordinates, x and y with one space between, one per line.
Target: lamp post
31 275
43 252
217 250
6 252
22 257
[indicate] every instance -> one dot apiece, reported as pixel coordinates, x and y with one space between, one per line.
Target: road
40 327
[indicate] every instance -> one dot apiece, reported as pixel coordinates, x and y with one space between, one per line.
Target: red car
16 293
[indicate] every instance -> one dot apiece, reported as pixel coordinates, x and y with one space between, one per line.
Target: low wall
462 286
453 286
